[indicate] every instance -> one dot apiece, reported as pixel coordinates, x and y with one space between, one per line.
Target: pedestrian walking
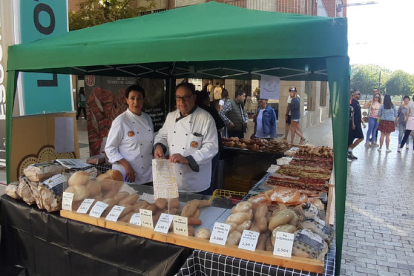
409 118
295 117
355 130
400 120
373 108
387 115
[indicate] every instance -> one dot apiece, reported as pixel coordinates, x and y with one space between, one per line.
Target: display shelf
197 243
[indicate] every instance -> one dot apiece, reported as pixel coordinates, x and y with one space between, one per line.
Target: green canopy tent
209 40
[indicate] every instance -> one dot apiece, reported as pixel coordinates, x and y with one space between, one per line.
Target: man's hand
178 158
158 152
353 126
231 125
364 125
254 116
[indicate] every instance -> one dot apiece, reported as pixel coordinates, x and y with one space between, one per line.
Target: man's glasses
184 99
376 97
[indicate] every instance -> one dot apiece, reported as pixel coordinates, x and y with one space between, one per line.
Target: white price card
180 225
146 218
164 223
86 204
67 200
220 233
283 244
98 209
135 219
248 240
114 213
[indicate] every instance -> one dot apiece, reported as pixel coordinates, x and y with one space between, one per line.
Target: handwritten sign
283 244
180 225
67 199
146 218
164 180
98 209
248 240
115 213
86 204
135 219
164 223
220 233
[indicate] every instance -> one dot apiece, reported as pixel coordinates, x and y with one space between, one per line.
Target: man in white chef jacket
189 133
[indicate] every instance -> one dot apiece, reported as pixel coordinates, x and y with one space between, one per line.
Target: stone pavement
379 217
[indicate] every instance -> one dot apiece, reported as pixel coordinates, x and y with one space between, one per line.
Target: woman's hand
129 171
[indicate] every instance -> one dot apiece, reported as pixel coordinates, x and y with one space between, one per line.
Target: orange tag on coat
131 134
194 144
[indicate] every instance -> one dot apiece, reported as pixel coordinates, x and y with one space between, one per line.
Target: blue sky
382 34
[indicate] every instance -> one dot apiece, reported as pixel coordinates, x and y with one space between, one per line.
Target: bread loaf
94 188
79 178
80 192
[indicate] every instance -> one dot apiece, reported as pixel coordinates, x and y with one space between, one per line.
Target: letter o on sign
42 29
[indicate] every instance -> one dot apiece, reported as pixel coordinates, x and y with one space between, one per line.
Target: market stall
177 44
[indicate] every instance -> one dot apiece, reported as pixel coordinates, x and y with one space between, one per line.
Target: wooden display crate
202 244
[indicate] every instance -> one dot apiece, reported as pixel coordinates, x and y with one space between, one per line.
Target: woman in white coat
130 140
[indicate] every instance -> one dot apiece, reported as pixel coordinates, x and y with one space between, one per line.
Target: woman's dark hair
406 97
224 94
82 90
201 97
189 86
135 87
379 100
387 102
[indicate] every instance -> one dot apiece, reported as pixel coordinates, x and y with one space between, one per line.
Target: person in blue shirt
265 121
295 116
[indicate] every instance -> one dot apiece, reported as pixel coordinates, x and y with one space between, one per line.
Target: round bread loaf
79 178
115 175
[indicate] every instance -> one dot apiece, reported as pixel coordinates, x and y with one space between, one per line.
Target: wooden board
197 243
330 208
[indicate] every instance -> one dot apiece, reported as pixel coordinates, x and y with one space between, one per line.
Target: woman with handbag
387 114
373 121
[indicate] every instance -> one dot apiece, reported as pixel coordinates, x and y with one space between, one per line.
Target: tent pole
338 76
10 96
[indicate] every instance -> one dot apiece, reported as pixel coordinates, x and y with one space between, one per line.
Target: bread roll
115 175
161 203
131 199
80 192
79 178
203 233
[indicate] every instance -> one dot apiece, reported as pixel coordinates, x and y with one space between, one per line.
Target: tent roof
207 40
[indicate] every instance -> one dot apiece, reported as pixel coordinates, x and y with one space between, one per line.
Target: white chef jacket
194 135
131 137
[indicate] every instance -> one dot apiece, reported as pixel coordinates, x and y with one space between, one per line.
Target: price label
283 244
180 225
164 223
248 240
67 199
136 219
98 209
114 213
86 204
146 218
220 233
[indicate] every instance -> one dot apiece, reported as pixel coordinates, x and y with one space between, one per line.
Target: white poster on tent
269 87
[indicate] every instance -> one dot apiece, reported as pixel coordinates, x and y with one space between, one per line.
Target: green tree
96 12
400 83
366 77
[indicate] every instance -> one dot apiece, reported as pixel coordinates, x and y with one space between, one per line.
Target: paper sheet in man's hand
165 182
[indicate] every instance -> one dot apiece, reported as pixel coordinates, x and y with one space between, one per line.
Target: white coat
131 137
194 135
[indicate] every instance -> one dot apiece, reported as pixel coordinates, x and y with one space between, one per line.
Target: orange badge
131 134
194 144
